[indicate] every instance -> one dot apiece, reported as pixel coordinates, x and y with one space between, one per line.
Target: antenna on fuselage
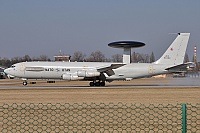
126 46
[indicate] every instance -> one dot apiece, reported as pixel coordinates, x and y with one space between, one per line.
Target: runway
138 83
163 91
95 87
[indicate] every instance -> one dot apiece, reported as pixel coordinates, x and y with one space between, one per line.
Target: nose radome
7 71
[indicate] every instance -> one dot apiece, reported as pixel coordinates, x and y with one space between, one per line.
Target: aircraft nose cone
6 71
9 73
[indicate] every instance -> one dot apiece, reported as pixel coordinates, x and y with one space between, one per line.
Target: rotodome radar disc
126 44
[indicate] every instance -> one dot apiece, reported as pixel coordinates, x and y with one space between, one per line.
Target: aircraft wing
180 68
109 69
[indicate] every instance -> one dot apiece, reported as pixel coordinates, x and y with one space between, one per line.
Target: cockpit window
12 66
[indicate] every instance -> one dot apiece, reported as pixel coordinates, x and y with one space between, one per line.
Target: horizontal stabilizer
180 68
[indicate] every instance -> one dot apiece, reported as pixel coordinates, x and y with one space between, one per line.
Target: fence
99 118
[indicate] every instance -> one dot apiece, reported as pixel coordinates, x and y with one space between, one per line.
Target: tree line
6 62
96 56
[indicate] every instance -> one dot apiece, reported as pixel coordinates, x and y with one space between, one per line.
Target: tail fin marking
175 54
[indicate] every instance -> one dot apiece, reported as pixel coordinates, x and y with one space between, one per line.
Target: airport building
63 58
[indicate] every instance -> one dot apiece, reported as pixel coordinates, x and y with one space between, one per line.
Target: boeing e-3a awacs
100 72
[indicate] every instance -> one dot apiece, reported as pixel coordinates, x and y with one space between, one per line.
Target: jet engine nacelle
71 77
83 73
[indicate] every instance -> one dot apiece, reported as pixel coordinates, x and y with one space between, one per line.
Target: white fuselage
56 70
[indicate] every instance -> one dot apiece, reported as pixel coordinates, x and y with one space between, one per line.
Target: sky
44 27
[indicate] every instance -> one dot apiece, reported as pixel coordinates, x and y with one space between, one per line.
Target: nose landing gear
25 83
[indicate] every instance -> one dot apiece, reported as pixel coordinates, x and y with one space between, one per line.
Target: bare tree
146 58
133 57
186 59
78 56
5 62
8 62
138 58
26 58
41 58
142 58
16 60
44 58
152 58
117 58
97 56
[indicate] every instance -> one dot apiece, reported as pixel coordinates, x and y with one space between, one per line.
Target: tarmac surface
149 90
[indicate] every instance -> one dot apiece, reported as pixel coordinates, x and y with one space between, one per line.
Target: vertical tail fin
176 52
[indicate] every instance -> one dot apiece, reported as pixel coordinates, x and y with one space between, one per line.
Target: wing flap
109 69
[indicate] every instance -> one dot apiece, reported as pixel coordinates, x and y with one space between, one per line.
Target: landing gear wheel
97 84
91 83
25 83
102 84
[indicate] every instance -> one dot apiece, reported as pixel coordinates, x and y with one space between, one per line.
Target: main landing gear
24 83
99 83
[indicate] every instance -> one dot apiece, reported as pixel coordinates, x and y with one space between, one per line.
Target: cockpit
11 70
13 66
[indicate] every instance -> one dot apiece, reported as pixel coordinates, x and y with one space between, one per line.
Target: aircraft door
22 69
151 69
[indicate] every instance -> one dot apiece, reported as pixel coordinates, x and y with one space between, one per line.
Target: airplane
100 72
